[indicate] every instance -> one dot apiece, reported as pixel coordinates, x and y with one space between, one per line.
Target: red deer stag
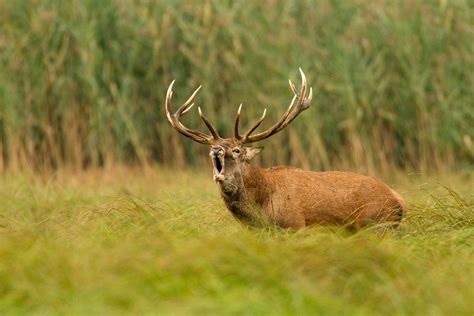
285 196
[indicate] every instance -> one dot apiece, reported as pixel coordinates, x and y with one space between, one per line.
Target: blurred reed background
82 83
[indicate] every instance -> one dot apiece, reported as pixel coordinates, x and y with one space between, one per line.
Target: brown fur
294 198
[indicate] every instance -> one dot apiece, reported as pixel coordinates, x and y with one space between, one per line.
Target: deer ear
251 152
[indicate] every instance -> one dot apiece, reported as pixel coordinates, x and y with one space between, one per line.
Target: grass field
161 242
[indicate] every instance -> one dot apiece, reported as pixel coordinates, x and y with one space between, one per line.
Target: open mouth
218 163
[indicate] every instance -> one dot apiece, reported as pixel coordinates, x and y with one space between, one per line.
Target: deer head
230 156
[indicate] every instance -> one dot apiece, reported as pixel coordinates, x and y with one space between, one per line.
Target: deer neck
244 195
242 183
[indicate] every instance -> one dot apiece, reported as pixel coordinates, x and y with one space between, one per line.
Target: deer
284 196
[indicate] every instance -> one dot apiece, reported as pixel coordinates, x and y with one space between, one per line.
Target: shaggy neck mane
252 193
249 180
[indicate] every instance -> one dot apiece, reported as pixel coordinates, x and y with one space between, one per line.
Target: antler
182 110
302 103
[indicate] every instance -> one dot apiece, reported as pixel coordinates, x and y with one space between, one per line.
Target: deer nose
216 152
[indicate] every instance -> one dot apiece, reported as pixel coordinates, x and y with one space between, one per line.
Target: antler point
188 109
303 77
170 88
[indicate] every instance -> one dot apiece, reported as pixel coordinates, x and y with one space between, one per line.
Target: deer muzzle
217 157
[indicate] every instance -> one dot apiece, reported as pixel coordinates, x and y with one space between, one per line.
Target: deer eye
236 151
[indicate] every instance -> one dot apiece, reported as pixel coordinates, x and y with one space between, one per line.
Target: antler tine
307 102
303 83
211 128
236 124
250 131
292 87
302 103
183 109
187 110
169 95
173 118
277 124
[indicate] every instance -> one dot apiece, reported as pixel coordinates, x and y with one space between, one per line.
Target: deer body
285 196
294 198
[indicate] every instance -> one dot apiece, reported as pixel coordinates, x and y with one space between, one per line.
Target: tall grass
124 242
82 83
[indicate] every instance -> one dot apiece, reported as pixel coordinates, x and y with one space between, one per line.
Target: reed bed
82 83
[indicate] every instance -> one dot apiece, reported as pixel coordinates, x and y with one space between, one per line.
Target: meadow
106 209
160 241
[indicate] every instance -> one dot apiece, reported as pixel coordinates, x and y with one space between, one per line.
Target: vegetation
82 83
115 241
82 86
